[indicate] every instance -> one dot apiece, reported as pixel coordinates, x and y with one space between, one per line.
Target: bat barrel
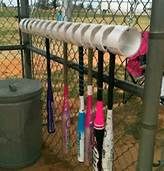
108 154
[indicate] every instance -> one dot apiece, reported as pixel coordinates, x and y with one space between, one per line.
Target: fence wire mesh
10 61
10 64
126 116
9 23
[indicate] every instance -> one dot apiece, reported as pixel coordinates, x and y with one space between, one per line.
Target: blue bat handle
80 136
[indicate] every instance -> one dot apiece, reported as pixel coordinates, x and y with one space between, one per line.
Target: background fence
14 63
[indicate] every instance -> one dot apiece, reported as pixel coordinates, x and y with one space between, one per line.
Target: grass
8 12
9 33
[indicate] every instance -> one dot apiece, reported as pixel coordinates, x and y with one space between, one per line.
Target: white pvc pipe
48 31
43 28
23 24
62 31
118 39
123 41
55 30
34 26
29 25
70 31
79 33
38 27
99 37
88 37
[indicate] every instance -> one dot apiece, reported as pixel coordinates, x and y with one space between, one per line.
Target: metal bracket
160 163
156 35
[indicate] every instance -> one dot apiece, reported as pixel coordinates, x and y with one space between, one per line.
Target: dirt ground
126 151
10 63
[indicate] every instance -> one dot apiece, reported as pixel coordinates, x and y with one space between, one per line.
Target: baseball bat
99 118
66 109
89 113
107 160
66 15
81 114
50 100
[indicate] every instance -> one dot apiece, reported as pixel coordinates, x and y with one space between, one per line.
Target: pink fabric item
133 65
99 121
88 111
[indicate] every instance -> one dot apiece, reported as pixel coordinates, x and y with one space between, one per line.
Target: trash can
20 122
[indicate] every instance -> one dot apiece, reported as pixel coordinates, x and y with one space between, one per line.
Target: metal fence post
154 71
24 11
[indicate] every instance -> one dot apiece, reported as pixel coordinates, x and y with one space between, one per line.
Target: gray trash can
20 122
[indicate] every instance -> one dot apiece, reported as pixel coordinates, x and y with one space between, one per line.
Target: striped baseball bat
108 152
50 100
66 109
81 114
89 113
99 118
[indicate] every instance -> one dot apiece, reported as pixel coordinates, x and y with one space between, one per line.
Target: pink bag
135 62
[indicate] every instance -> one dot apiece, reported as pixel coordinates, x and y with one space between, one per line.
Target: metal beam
124 85
11 47
26 40
154 72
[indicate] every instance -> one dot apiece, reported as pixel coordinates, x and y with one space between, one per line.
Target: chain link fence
126 116
10 54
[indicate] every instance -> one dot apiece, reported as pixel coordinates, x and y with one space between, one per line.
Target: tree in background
55 3
43 4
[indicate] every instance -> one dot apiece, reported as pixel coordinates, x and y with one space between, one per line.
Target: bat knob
51 128
50 125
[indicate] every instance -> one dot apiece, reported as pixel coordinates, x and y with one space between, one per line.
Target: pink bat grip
88 111
65 91
99 121
66 121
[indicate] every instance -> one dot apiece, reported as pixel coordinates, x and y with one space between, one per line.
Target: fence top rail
117 39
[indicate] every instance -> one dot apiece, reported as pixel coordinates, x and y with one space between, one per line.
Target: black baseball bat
50 100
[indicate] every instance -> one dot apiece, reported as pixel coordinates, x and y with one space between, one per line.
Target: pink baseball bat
66 110
99 122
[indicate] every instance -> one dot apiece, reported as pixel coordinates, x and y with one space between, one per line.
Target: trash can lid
16 90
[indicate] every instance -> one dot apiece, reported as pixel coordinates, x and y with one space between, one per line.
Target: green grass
8 12
9 33
4 33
